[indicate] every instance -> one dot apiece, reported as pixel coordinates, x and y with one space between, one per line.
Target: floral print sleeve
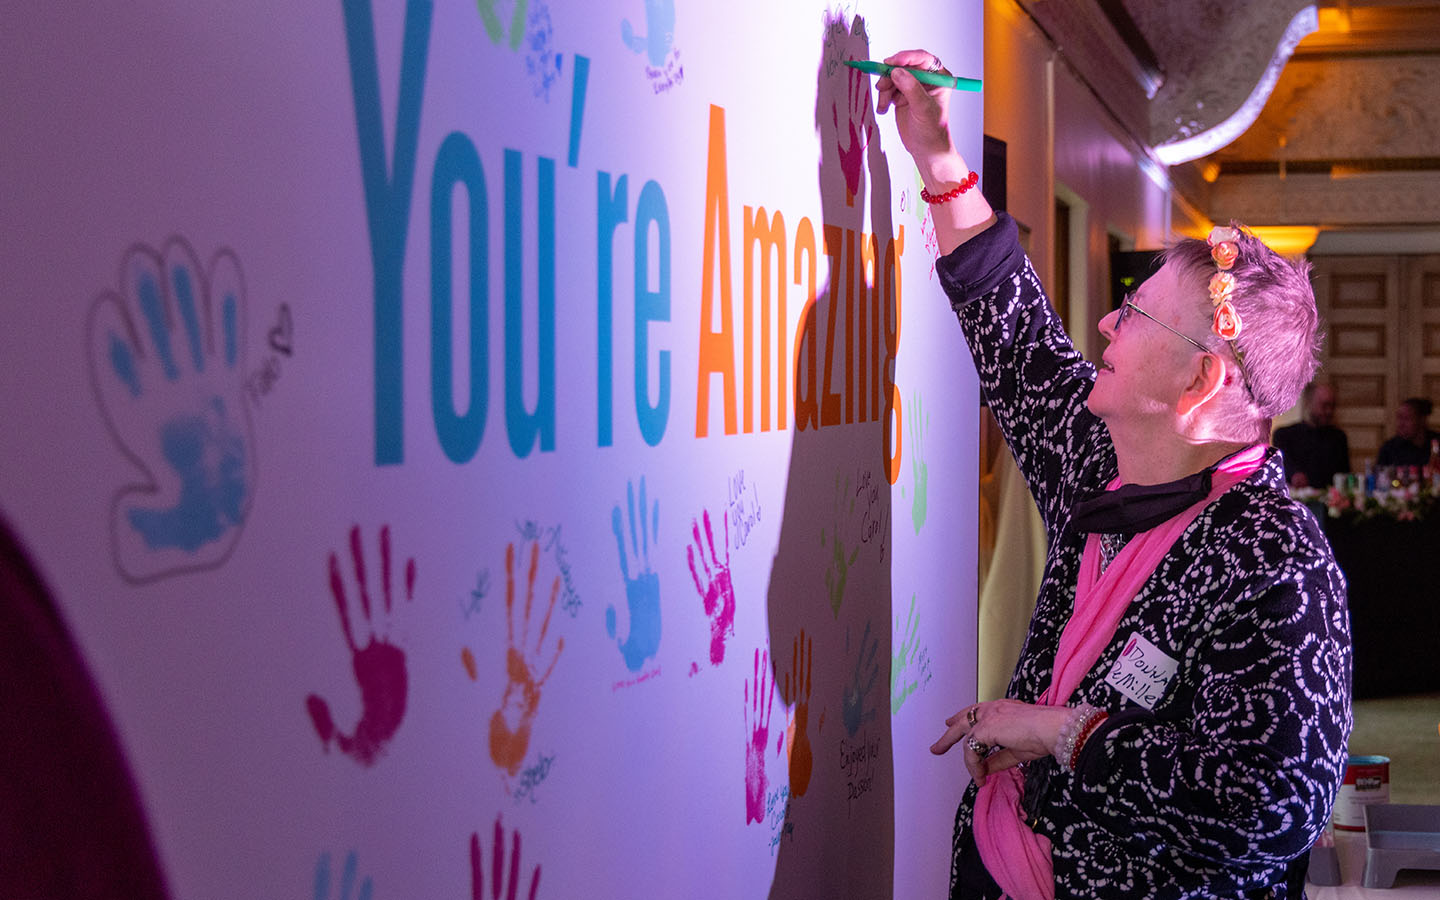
1031 375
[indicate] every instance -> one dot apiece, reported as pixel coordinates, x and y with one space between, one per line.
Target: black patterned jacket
1230 778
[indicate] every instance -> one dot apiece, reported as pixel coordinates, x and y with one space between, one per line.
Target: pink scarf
1016 857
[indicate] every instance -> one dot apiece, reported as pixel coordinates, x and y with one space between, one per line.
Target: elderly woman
1176 725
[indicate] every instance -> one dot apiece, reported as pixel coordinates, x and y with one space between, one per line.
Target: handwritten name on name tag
1142 672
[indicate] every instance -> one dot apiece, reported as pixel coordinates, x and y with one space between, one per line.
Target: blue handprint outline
867 672
347 879
166 360
659 35
642 592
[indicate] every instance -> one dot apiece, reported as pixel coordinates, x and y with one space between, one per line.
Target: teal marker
924 76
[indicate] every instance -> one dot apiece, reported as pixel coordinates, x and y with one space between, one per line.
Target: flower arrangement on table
1411 502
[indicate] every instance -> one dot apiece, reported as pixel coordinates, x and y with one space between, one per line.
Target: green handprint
493 26
839 570
920 500
900 689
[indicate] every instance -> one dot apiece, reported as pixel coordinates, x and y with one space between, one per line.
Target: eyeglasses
1129 305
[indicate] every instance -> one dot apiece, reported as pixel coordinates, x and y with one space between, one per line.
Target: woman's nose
1107 323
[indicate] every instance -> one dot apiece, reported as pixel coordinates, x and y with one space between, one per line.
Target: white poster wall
496 445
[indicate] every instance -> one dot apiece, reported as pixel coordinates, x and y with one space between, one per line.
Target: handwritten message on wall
497 447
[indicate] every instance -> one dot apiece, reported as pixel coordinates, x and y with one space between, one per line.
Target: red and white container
1367 781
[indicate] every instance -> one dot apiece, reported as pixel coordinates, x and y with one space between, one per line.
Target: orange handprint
797 688
510 725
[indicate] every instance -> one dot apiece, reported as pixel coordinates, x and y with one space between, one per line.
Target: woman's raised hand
922 113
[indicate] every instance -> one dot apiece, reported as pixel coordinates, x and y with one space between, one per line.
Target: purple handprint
379 665
757 728
497 865
716 590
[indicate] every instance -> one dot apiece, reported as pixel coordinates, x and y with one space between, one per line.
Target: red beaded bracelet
1085 732
969 182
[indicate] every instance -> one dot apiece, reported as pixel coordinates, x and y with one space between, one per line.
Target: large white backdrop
457 427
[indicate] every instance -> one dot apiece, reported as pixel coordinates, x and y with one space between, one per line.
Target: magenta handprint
498 881
861 126
715 588
379 665
510 725
757 730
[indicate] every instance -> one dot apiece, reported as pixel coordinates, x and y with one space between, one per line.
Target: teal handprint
642 593
839 571
659 31
167 365
901 687
867 672
920 500
347 880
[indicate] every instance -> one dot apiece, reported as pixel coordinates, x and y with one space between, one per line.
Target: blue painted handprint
867 672
642 593
166 361
347 880
659 31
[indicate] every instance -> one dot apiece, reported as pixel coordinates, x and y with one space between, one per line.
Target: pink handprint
757 726
498 880
510 725
716 590
861 125
379 665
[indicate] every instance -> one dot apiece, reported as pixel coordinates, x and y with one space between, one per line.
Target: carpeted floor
1406 729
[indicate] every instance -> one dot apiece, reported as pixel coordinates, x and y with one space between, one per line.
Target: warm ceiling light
1335 20
1287 240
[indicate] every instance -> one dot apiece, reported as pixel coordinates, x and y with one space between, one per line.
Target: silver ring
935 65
972 716
979 748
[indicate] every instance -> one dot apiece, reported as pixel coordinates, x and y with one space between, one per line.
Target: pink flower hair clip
1224 250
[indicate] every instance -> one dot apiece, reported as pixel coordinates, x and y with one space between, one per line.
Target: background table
1393 571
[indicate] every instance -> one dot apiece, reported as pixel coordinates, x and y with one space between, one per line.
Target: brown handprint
510 725
477 875
797 687
861 123
379 665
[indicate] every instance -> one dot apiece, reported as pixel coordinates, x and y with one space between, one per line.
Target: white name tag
1142 672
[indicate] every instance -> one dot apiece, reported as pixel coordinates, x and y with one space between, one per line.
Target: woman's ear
1209 378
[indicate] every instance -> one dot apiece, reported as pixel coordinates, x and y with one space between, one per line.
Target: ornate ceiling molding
1222 64
1219 60
1405 199
1350 109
